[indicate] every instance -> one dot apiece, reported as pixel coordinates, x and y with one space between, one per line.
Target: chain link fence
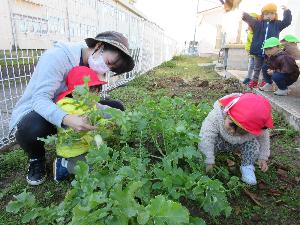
29 27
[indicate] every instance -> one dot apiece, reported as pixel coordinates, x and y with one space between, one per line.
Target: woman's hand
77 122
284 7
262 164
209 167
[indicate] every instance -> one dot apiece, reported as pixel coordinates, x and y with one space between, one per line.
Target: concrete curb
283 107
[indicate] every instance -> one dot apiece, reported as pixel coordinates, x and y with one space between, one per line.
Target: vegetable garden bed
150 170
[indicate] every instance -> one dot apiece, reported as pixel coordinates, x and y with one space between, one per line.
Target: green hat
291 38
271 42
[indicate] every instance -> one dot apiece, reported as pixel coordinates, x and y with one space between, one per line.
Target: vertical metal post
196 21
68 20
142 23
239 33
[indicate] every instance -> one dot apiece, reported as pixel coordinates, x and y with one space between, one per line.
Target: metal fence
28 27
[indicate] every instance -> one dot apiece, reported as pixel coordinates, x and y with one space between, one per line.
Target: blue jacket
264 29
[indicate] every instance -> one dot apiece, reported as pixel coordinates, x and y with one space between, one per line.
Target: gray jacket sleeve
208 134
249 19
264 142
49 76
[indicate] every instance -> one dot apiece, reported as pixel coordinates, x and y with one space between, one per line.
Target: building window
30 27
29 24
56 25
22 26
44 28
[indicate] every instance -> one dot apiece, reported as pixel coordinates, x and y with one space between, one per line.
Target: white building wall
207 30
294 29
6 38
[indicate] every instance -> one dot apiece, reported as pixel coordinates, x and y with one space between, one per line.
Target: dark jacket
283 63
260 27
292 50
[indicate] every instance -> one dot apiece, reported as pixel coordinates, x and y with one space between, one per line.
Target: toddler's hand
284 7
270 72
262 164
209 167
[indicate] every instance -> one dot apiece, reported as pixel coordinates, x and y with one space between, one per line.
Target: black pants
33 126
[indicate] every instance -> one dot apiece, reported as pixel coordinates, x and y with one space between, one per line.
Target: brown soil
177 86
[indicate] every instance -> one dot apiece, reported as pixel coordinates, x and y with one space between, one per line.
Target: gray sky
176 17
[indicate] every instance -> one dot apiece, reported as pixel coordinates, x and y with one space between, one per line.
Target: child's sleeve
288 65
208 134
287 19
103 107
264 142
250 20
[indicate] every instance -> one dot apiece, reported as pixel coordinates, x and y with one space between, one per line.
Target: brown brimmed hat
117 40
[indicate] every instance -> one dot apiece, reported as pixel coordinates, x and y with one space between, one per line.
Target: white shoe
267 87
248 175
282 92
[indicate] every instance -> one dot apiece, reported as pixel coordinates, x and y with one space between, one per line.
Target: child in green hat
280 67
267 26
289 43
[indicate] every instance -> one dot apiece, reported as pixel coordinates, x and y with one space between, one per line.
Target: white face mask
99 66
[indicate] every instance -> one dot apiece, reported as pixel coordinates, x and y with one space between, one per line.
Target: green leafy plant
140 166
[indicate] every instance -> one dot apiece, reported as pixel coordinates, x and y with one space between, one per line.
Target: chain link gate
28 27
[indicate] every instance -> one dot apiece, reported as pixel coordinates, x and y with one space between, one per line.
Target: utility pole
193 47
196 21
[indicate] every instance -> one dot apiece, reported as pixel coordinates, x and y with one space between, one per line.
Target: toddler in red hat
68 154
239 121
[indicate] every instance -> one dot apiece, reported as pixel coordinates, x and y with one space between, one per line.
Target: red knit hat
250 111
75 78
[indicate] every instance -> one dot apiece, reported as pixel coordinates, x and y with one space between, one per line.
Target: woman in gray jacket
238 121
36 114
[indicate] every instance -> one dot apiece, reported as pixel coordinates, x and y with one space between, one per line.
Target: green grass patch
19 57
12 161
